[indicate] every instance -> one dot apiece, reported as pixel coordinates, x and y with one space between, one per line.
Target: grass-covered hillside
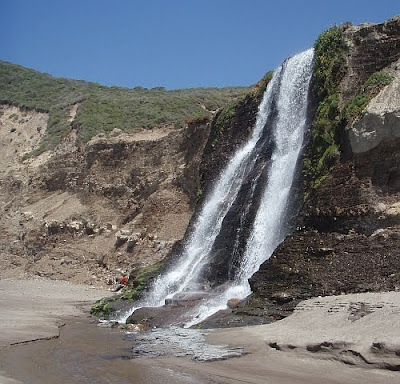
101 109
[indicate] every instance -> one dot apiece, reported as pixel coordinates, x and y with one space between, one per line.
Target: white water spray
269 228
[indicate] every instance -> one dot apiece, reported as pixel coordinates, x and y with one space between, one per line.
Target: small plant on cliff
225 117
371 87
261 86
223 122
197 120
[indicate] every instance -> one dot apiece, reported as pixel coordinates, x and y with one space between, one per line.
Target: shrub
140 282
102 308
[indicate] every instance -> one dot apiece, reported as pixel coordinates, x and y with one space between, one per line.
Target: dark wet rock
282 297
159 317
358 263
187 299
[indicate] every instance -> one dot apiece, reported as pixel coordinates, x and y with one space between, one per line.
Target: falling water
207 226
269 227
287 92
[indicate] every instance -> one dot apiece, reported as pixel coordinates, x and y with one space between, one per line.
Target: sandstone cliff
82 211
96 179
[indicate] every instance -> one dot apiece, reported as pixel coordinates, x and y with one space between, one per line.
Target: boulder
233 303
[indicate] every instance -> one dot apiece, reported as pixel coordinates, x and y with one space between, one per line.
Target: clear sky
170 43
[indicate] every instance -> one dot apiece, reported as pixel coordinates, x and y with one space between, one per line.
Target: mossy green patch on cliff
329 122
138 283
225 117
101 109
261 86
223 121
329 69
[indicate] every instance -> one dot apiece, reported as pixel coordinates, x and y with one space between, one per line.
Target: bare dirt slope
82 211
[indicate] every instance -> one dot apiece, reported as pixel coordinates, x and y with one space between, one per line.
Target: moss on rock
103 308
329 69
371 88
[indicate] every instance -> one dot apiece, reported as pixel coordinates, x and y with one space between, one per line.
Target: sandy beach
47 337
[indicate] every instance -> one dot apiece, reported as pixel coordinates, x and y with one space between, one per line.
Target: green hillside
103 108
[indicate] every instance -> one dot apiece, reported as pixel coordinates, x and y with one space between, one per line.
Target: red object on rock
124 280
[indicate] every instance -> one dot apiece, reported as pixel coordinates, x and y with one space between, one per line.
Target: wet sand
86 353
34 309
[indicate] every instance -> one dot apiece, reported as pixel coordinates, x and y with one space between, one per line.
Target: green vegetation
329 69
226 115
261 86
102 308
101 109
371 87
330 120
137 284
140 282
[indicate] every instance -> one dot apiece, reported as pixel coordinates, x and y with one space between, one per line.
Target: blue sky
171 43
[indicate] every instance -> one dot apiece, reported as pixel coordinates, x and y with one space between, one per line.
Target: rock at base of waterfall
187 299
159 317
233 303
281 297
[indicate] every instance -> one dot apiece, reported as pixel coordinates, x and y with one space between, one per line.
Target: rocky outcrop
231 127
348 234
380 121
370 48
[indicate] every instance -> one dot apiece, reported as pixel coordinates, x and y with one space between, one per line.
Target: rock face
371 48
381 119
348 235
224 139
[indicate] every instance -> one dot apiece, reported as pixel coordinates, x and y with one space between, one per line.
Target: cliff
91 180
348 234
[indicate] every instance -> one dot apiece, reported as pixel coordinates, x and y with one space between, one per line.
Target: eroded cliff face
348 236
84 210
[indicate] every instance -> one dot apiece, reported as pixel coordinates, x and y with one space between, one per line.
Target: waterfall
282 111
208 224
